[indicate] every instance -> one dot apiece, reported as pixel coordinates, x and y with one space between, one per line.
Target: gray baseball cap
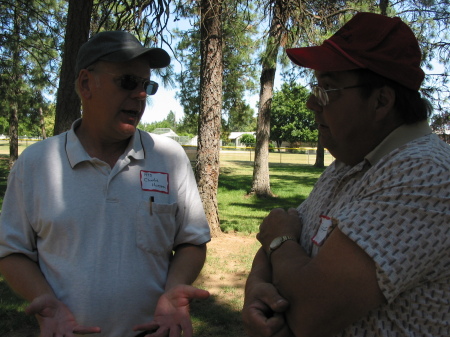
118 46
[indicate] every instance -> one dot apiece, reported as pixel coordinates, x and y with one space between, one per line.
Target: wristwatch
278 241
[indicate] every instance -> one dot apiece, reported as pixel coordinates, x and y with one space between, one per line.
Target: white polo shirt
103 237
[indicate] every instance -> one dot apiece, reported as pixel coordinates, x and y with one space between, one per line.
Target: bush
248 139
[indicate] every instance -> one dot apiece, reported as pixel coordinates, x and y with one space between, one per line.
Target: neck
108 151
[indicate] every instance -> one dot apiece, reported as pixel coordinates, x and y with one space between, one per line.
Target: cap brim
322 58
157 57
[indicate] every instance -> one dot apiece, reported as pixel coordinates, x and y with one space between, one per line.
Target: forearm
327 292
186 265
24 277
261 270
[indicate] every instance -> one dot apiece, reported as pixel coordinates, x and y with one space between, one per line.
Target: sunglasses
322 94
130 82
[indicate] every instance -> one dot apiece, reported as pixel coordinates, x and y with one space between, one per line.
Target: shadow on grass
13 321
4 171
211 318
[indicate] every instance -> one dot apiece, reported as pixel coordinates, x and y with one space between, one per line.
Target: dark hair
409 104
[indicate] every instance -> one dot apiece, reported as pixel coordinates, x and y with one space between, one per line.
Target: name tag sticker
155 181
327 225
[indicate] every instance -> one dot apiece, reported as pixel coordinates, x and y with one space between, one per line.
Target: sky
164 101
159 106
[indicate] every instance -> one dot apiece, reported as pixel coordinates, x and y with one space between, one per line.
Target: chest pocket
156 227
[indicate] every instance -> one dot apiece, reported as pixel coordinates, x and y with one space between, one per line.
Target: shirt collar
76 153
400 136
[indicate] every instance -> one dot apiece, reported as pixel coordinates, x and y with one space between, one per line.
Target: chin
128 130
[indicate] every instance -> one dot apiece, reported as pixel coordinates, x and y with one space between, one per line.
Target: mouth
131 113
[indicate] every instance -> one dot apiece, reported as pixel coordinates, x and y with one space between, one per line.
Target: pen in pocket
152 200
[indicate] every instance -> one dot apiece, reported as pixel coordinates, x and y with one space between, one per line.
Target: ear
384 102
85 83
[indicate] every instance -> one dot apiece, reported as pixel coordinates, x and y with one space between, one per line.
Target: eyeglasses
130 82
322 94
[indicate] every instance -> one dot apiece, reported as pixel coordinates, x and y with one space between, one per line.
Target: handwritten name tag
327 224
155 181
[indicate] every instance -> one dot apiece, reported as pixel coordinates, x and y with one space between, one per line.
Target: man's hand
278 223
172 312
263 312
55 319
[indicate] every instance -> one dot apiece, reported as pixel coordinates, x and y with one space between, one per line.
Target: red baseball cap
384 45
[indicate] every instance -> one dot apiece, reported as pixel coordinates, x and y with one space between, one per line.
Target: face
113 111
347 126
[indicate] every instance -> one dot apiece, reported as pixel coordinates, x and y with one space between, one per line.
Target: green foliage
240 73
168 123
290 120
430 20
248 139
29 62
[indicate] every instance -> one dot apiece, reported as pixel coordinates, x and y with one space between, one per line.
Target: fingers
83 330
267 295
258 322
293 211
273 299
190 292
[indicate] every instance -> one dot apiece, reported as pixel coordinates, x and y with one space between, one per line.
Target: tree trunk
77 32
320 155
384 4
14 107
13 135
211 74
261 176
42 123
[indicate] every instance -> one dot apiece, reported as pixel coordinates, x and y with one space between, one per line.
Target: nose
139 92
313 104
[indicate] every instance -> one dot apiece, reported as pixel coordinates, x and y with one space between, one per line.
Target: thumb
278 303
197 293
43 305
273 299
189 292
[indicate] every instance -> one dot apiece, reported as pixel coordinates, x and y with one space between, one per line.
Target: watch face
276 242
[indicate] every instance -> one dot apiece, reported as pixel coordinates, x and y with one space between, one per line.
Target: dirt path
228 263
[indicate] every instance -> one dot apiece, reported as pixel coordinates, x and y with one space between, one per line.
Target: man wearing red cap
367 254
102 227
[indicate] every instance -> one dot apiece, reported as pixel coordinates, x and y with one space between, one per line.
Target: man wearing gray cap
102 227
367 253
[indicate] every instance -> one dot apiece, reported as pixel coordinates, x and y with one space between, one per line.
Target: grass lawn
229 258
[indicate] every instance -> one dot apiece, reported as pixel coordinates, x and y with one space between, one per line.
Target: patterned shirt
396 206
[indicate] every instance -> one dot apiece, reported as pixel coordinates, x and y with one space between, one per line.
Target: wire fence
304 155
